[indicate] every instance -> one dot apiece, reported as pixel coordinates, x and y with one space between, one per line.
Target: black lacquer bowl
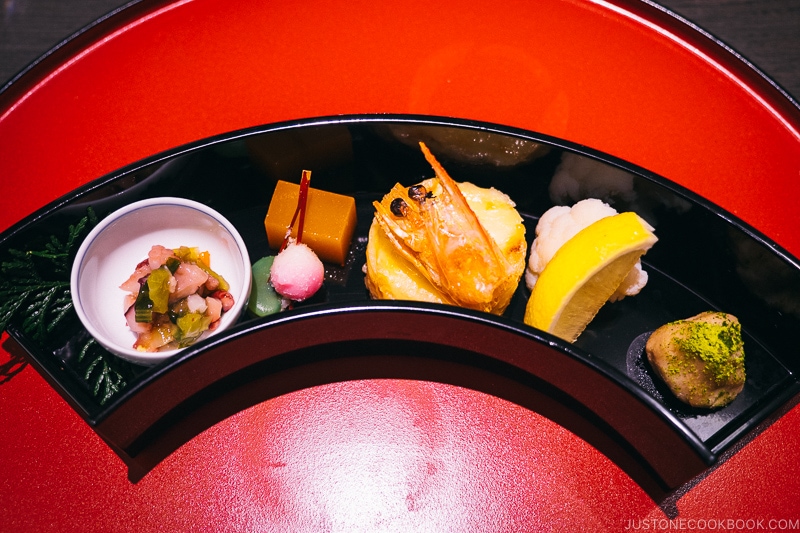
601 387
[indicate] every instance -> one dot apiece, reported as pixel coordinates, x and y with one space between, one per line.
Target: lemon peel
585 272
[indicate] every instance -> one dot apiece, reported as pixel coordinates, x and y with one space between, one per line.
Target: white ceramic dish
119 242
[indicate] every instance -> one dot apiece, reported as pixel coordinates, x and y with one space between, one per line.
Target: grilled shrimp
433 227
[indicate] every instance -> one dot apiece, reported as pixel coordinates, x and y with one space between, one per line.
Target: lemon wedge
585 272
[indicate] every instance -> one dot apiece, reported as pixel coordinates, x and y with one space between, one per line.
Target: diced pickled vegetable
187 253
202 260
143 305
172 264
156 337
191 326
158 287
177 302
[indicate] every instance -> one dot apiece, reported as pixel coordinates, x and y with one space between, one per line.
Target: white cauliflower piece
632 284
558 225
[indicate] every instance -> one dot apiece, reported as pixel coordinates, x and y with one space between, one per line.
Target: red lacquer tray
386 454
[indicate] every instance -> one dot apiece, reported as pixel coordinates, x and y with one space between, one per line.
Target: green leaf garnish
35 295
101 372
34 284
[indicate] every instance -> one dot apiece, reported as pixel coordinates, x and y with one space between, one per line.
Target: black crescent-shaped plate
601 387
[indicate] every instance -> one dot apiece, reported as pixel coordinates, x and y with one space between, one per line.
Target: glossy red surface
620 77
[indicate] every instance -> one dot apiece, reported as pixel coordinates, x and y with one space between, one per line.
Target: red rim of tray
629 79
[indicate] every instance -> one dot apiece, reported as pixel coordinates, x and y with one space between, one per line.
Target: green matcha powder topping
719 346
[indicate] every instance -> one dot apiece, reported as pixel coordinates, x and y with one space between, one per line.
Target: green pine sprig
35 294
34 284
105 379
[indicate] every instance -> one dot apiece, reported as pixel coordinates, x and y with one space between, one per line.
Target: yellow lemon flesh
585 272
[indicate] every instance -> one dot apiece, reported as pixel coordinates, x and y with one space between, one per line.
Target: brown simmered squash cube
330 220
